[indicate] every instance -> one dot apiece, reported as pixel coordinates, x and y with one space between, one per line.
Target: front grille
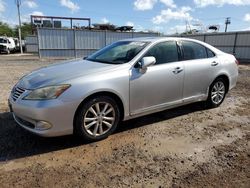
17 92
2 47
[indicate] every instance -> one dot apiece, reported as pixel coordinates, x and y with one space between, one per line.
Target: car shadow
16 142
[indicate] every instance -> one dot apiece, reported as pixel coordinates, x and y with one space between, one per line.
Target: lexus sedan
124 80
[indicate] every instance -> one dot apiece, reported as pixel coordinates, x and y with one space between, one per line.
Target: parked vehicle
17 49
7 44
127 79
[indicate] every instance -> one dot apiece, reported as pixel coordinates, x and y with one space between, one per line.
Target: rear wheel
97 119
217 93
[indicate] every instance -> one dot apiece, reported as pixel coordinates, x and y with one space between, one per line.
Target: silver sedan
127 79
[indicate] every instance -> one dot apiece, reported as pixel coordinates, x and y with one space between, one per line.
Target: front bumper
57 116
4 50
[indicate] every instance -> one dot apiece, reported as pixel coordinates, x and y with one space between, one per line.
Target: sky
165 16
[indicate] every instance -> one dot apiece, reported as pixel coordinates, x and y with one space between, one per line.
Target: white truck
7 44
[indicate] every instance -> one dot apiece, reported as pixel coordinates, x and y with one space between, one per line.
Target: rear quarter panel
229 68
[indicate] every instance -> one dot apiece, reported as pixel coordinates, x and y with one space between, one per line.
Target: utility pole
18 3
186 27
227 22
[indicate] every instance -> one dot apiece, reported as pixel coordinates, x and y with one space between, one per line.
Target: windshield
118 53
3 40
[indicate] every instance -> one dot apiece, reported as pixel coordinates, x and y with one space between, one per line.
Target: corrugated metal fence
74 43
80 43
31 44
236 43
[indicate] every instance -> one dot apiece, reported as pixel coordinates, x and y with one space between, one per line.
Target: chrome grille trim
17 92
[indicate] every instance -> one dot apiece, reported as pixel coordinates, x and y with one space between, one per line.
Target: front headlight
45 93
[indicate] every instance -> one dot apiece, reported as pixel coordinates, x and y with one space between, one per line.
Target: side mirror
146 62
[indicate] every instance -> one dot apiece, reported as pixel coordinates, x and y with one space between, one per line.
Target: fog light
42 125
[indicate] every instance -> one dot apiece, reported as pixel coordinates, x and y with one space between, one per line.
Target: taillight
237 62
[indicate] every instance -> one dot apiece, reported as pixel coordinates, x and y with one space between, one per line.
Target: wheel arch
224 77
101 93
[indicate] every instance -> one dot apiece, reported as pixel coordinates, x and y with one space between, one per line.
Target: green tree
6 30
26 30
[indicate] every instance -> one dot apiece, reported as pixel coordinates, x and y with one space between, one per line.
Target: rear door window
192 50
210 53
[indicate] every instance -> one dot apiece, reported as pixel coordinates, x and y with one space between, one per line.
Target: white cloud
2 6
158 29
26 17
247 17
30 3
105 21
149 4
144 4
204 3
69 4
37 13
139 28
167 15
246 29
169 3
129 23
177 29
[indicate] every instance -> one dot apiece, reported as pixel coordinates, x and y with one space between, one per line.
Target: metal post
18 3
89 24
105 38
52 22
228 21
74 35
235 42
38 43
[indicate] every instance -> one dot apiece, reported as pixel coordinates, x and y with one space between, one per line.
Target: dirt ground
182 147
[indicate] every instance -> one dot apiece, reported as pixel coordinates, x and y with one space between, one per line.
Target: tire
217 93
97 118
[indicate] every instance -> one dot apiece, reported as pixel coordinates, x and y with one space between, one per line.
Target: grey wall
78 43
31 44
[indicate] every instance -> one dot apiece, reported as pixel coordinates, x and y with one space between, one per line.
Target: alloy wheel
218 92
99 118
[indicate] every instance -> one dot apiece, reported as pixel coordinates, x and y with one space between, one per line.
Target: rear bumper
233 81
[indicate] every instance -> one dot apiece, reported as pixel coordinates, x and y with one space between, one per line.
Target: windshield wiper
100 61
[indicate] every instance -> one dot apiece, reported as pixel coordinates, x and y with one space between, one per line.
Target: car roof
149 39
159 39
155 39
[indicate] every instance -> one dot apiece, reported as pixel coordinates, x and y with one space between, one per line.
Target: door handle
214 63
177 70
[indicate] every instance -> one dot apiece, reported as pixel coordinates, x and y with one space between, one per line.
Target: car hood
62 72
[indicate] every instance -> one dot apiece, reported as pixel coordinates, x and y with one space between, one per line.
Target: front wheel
217 93
97 119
